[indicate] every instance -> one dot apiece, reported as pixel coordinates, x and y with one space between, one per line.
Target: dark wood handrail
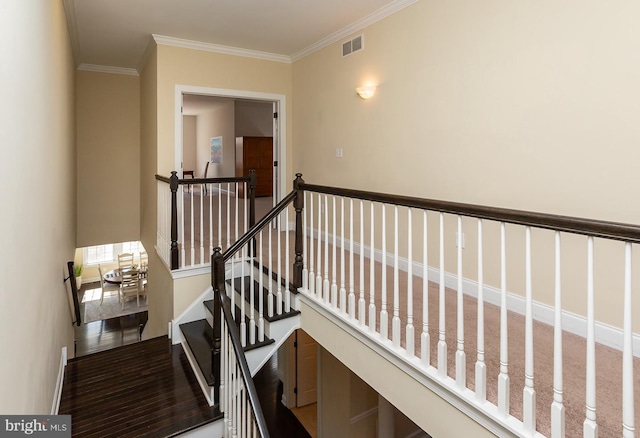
589 227
222 180
253 231
252 394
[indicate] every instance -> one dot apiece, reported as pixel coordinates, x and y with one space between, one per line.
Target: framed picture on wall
216 150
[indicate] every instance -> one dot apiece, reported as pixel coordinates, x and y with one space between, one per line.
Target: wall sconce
366 91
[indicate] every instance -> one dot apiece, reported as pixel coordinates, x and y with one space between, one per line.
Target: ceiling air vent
352 46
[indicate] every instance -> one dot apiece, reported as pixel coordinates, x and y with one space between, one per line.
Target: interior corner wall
108 157
37 121
216 122
189 142
159 282
516 105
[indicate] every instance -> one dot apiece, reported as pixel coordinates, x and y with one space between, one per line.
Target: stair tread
274 277
237 285
209 305
199 336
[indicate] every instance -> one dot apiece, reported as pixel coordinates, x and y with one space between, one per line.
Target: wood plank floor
143 389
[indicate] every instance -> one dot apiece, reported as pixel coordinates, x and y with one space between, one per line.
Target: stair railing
369 257
197 214
234 390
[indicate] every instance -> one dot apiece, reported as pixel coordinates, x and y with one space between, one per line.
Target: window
94 255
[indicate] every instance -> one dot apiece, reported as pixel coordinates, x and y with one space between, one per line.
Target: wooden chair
130 285
106 287
204 175
125 260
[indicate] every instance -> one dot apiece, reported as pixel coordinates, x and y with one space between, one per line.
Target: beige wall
218 121
189 142
39 223
501 104
108 158
213 70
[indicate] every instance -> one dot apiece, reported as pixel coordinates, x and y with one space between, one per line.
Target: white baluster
395 322
287 254
220 215
305 252
326 286
481 369
228 215
503 377
461 361
210 220
372 274
192 231
243 324
343 291
442 344
529 393
202 261
352 295
278 267
183 255
312 278
384 315
260 291
590 426
270 280
409 329
557 407
319 290
252 301
334 270
237 212
361 301
628 424
425 338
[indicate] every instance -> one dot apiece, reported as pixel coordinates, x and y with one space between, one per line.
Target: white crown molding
72 25
216 48
108 69
357 26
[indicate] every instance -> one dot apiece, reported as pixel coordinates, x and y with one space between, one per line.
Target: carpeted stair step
237 285
199 337
237 315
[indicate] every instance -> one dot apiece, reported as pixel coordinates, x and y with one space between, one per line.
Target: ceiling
116 33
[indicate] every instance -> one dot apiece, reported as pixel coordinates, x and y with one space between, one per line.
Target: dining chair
130 285
106 287
204 175
125 260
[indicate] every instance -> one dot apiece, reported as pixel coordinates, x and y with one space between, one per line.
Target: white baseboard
573 323
55 407
361 416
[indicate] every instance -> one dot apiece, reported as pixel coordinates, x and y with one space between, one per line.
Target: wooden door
306 368
256 153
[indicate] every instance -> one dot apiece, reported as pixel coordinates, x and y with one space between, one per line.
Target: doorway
278 131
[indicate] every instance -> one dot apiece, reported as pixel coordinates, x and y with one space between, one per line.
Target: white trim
357 26
108 69
202 381
57 395
571 322
194 312
217 48
241 94
361 416
188 271
72 25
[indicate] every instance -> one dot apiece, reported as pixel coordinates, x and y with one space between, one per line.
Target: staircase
263 335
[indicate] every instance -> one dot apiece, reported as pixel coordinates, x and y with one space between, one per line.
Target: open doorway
209 123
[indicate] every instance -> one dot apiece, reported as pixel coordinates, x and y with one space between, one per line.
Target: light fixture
366 91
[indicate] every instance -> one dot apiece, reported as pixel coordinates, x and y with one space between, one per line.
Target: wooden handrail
222 180
589 227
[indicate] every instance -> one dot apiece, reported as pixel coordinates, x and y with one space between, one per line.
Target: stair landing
143 389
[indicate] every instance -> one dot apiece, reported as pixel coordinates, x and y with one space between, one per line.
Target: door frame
280 137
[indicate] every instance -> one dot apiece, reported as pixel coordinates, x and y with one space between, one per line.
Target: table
114 276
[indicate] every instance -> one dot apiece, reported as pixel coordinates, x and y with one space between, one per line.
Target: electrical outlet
338 152
459 240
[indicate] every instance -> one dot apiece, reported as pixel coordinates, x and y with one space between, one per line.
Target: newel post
174 219
217 283
298 205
